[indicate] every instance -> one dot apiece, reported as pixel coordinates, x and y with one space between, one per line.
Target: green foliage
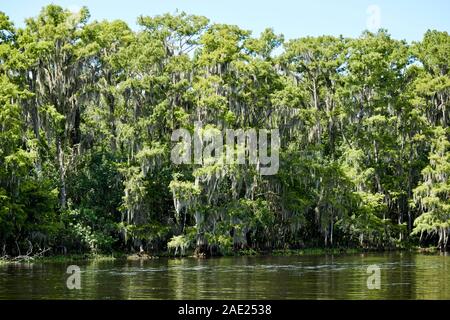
433 194
179 244
87 110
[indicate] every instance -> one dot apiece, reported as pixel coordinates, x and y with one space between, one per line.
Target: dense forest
88 108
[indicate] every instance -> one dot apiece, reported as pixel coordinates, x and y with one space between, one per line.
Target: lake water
402 276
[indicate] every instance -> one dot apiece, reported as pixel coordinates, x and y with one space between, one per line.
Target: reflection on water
403 276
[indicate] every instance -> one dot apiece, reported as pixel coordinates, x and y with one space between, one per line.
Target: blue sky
405 19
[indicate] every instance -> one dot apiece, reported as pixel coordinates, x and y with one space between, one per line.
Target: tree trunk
62 173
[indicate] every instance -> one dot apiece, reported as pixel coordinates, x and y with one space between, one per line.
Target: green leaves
433 52
433 194
87 110
222 44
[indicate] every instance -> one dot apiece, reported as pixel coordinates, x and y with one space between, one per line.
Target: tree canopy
87 110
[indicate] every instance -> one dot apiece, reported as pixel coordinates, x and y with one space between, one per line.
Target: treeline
87 110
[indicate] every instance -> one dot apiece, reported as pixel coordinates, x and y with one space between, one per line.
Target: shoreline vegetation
90 111
86 257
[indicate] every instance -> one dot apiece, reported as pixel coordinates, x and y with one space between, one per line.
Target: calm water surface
403 276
